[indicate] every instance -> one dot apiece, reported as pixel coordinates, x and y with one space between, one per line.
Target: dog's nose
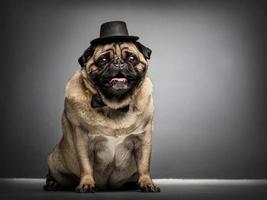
118 63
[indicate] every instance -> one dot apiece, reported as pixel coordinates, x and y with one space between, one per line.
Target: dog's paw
146 185
52 185
87 184
85 188
150 188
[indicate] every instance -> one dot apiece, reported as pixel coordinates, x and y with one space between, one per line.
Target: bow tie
97 102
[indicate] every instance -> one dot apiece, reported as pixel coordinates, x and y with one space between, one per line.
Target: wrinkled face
116 69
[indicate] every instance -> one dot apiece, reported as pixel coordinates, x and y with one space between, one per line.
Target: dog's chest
115 151
114 145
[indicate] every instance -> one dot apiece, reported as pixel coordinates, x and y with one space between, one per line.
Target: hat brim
110 39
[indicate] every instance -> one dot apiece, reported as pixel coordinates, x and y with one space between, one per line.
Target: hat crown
113 31
113 28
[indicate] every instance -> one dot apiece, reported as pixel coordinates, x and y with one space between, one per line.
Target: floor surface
170 189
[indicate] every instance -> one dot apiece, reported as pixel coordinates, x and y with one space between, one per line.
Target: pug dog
107 122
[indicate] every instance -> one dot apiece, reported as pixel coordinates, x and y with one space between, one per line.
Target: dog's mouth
119 82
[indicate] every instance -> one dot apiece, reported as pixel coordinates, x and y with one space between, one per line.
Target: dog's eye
132 58
102 61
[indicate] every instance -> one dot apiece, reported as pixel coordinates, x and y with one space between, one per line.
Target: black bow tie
97 102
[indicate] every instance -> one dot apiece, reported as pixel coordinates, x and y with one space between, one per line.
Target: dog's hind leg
58 178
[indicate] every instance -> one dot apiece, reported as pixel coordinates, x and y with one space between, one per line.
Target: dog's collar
97 102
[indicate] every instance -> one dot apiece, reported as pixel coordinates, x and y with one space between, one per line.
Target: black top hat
112 32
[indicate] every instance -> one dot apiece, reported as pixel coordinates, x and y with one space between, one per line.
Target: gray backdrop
208 67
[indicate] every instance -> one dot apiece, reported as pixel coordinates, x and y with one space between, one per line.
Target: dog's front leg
87 183
143 155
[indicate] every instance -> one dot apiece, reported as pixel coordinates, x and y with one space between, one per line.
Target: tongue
121 80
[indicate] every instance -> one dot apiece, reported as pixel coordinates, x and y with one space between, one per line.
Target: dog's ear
86 55
144 50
